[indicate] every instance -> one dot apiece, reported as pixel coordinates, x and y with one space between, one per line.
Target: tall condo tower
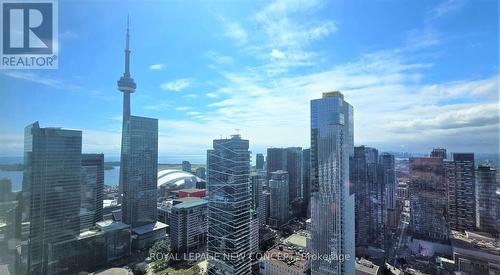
229 204
332 197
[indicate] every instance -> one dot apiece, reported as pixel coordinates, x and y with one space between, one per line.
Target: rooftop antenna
237 130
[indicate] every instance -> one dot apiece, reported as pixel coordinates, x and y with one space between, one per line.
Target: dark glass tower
92 189
259 161
487 201
368 177
278 186
51 190
229 204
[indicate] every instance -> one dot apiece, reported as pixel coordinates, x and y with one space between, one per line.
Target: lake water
111 177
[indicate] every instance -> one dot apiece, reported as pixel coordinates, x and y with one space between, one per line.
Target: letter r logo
27 27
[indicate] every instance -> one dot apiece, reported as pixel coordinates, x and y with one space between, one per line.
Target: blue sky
419 74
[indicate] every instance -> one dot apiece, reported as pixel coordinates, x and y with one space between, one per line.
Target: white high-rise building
332 197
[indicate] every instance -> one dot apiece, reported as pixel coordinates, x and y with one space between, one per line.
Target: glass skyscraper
279 201
140 171
51 191
229 204
306 181
91 190
332 201
487 200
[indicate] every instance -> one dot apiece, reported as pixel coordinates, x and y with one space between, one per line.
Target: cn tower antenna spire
127 49
126 84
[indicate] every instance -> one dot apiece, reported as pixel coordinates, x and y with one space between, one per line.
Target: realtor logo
29 34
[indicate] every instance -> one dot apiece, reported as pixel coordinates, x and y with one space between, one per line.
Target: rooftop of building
191 190
150 227
298 239
476 240
291 256
364 266
114 271
111 225
102 227
190 202
333 93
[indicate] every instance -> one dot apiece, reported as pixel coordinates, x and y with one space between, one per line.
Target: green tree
161 246
197 270
160 253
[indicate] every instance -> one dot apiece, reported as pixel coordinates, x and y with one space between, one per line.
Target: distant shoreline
108 165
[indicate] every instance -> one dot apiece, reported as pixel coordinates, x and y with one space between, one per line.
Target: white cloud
277 54
234 30
183 108
190 96
219 58
446 7
212 95
159 106
176 85
157 67
283 30
68 35
43 80
388 98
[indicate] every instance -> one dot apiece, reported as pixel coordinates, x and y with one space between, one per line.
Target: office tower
6 190
259 161
358 177
332 199
138 167
368 178
290 160
188 225
266 198
92 189
439 153
257 185
279 200
262 208
258 205
229 204
388 164
487 217
460 181
275 160
186 166
306 182
9 227
294 169
51 188
427 193
201 172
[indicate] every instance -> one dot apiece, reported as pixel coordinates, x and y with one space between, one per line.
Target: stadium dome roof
177 178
